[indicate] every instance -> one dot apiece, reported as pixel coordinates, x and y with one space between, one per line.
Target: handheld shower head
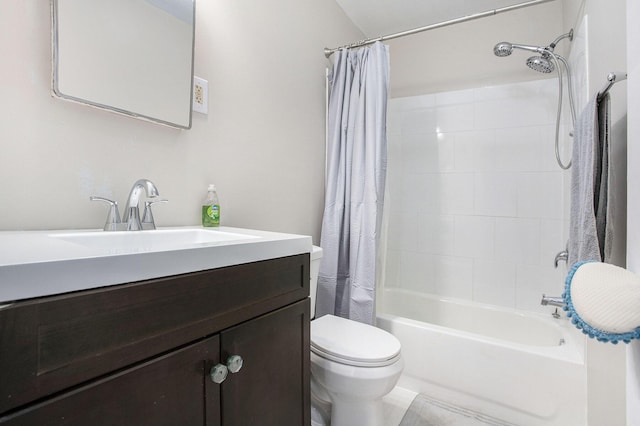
503 49
546 61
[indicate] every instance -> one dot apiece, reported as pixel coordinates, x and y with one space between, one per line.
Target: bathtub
523 368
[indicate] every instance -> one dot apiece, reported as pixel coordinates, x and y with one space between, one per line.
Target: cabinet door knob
234 363
219 373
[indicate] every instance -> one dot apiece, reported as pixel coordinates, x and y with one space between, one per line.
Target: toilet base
320 410
347 412
353 394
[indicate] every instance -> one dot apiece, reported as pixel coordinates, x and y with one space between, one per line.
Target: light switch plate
200 95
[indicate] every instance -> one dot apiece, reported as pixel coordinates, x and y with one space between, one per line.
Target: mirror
133 57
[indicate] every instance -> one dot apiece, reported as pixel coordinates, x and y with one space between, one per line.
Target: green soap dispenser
211 208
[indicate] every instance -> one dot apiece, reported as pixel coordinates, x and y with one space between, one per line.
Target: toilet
353 365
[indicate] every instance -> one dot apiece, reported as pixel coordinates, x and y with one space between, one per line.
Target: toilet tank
316 256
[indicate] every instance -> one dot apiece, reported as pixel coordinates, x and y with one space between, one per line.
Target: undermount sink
150 240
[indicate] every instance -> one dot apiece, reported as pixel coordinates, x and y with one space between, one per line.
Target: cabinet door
174 389
272 388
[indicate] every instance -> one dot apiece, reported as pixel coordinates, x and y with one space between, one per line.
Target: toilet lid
353 343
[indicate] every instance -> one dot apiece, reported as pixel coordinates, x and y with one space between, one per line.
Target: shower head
505 48
541 63
537 63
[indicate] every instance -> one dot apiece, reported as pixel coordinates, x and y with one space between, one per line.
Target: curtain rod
328 52
612 78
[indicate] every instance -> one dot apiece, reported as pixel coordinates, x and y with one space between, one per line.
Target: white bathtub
526 369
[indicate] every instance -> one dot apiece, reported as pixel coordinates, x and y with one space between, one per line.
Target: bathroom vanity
156 351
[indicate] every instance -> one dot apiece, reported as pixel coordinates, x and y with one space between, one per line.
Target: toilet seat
353 343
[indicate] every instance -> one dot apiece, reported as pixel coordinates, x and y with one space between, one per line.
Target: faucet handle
563 255
147 218
113 222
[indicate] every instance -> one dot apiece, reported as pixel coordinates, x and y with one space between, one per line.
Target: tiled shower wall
475 201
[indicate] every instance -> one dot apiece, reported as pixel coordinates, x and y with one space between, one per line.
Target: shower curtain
356 173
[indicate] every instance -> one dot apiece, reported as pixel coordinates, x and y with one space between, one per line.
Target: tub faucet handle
563 255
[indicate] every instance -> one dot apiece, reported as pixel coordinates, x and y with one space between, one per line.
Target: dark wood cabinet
142 353
270 389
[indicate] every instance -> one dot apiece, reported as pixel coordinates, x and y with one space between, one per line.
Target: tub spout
553 301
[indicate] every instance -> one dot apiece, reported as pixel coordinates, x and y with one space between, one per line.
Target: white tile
553 241
436 234
474 237
533 281
518 149
518 240
413 192
472 150
393 191
566 142
456 97
446 152
547 144
394 151
566 198
424 121
494 283
392 268
427 153
412 102
540 195
394 122
403 231
490 93
495 194
455 118
455 193
521 90
453 276
526 108
417 272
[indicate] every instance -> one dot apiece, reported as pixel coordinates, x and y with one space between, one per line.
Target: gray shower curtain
356 173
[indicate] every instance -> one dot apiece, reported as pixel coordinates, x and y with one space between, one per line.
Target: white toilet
353 365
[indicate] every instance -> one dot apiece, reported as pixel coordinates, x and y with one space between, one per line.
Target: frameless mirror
134 57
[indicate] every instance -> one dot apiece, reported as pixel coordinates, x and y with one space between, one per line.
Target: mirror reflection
133 57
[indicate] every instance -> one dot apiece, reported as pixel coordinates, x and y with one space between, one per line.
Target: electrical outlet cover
200 95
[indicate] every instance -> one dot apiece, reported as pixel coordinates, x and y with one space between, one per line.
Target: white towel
589 234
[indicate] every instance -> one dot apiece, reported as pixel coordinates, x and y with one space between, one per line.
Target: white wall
633 175
475 197
262 143
606 41
461 56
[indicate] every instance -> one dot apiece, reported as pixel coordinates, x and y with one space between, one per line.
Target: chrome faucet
113 222
563 255
132 210
553 301
148 222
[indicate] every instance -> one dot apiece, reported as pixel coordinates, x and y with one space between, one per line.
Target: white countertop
42 263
